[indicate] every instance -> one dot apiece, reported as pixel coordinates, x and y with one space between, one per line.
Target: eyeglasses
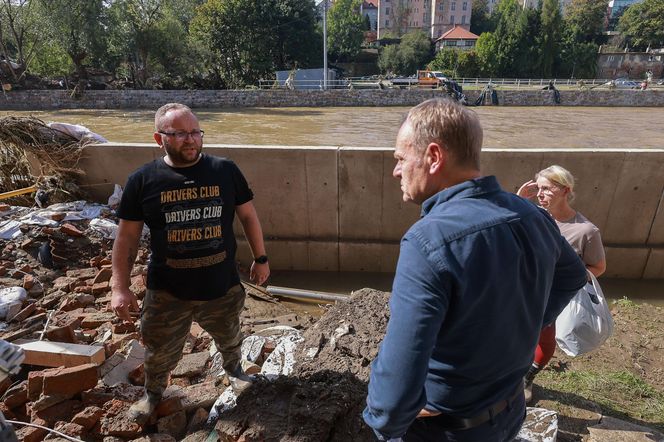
181 136
548 190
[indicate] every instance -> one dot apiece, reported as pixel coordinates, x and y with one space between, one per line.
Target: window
470 43
387 23
611 57
451 19
387 11
463 19
465 6
451 43
441 7
453 7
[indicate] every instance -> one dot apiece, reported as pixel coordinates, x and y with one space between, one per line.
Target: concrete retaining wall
339 209
152 99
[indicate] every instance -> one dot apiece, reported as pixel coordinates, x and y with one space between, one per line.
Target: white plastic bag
586 322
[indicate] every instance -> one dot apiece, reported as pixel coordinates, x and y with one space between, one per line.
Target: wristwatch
261 259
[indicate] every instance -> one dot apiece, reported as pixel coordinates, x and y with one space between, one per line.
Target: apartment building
435 17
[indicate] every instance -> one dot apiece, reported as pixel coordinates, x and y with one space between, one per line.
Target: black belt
465 423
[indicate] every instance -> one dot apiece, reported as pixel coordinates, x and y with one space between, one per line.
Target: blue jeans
502 428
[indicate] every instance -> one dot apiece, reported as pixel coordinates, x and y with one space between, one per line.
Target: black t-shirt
190 213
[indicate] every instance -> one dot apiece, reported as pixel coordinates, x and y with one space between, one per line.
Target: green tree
550 36
414 52
19 34
497 50
245 40
456 63
584 19
642 24
480 19
79 26
344 29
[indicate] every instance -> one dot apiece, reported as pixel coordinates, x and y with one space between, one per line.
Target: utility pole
324 44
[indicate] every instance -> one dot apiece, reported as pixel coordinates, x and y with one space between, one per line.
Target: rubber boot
528 382
142 409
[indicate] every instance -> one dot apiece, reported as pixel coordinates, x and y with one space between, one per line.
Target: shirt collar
466 189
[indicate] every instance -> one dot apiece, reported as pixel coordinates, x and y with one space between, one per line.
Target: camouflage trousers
165 324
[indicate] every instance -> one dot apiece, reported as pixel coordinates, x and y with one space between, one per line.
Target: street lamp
324 44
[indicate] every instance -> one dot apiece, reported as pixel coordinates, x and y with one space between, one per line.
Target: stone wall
340 209
152 99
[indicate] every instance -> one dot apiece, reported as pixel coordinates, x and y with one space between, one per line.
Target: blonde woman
553 188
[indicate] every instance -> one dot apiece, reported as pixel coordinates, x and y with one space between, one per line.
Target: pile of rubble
83 366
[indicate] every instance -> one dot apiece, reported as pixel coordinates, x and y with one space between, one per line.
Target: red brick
103 275
70 230
116 421
169 406
63 411
25 313
17 396
28 281
174 424
35 384
100 288
4 207
89 417
94 320
69 381
138 286
123 328
105 262
84 289
70 429
33 434
64 330
64 283
6 412
58 216
137 375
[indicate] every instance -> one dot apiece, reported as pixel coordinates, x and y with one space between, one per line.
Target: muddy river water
514 127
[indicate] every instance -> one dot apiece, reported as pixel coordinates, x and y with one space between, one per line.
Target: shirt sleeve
130 207
243 193
569 276
593 249
417 309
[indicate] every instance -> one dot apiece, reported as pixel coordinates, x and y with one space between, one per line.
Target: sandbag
586 322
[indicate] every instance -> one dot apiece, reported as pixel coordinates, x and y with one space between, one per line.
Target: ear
436 157
157 138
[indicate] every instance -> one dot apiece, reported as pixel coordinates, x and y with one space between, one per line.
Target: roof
369 4
458 33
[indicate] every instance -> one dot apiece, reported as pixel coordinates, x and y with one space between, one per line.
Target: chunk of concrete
119 374
611 429
541 425
193 364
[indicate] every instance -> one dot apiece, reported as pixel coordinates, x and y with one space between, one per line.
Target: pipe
305 294
18 192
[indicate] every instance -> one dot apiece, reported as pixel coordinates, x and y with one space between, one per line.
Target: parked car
625 83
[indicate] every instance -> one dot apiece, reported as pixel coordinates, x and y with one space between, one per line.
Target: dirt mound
325 396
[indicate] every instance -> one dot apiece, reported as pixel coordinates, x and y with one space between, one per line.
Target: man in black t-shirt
188 200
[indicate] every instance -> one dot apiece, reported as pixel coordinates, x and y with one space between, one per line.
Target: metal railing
384 83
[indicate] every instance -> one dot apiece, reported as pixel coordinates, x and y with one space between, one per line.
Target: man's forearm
124 256
254 234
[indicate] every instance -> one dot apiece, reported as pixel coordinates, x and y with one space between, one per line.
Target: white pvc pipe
305 294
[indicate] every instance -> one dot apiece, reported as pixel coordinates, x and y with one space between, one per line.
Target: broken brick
103 275
17 395
69 381
101 287
89 417
86 273
69 428
64 283
25 313
94 320
35 384
4 207
169 406
174 424
28 282
70 230
62 411
33 434
116 422
59 216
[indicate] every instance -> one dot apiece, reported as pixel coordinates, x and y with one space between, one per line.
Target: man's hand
259 272
427 413
528 190
124 301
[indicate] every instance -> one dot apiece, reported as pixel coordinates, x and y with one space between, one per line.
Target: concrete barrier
340 209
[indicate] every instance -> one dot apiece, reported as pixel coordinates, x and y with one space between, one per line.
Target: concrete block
512 168
655 265
362 257
296 255
396 216
625 262
638 192
616 430
193 364
656 237
295 187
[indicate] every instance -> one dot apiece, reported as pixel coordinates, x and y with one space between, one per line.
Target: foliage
19 34
456 63
643 24
244 40
414 52
550 35
480 19
79 27
584 19
345 28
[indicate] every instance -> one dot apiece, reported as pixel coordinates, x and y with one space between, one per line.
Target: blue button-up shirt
478 276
